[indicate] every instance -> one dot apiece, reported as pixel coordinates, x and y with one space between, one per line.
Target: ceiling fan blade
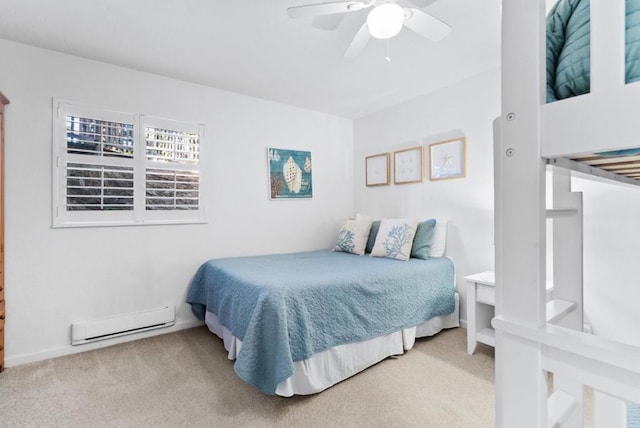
421 4
311 10
359 42
426 25
327 22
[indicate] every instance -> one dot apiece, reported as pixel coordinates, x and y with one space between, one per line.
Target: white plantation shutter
114 168
93 187
168 189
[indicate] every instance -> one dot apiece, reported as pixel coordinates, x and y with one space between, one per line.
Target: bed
568 72
568 75
298 323
586 122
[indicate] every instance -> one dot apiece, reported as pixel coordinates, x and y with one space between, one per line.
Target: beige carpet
184 379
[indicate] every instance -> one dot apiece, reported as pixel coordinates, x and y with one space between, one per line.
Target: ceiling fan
384 21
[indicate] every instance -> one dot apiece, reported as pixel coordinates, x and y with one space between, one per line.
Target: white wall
611 265
468 109
56 276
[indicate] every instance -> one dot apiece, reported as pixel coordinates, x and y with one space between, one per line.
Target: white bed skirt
329 367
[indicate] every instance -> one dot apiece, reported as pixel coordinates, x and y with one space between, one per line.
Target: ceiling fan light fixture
385 21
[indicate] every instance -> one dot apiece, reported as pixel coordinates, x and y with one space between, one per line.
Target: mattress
329 367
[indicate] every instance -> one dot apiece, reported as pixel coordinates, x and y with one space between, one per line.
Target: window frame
139 215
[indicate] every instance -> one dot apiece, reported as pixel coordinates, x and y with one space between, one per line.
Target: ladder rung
560 405
554 213
557 308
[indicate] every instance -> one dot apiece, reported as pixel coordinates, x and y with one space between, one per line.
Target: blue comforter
569 56
568 47
633 415
286 307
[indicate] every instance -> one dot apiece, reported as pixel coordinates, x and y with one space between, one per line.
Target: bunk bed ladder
566 308
539 342
565 406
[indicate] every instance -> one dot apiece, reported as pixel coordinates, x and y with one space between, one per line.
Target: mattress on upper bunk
287 307
568 47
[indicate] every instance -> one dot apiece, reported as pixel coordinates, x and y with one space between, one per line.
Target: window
114 168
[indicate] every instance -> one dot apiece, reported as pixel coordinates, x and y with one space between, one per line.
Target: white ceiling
252 47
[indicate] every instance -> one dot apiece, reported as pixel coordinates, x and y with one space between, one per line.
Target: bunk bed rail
611 369
580 124
575 125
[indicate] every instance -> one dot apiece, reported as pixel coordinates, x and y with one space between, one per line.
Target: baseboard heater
120 325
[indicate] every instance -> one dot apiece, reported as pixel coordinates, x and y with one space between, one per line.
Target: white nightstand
481 302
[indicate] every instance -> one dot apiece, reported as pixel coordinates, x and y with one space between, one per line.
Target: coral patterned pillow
352 237
395 238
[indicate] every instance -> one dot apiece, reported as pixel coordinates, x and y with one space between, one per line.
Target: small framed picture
447 159
408 165
377 169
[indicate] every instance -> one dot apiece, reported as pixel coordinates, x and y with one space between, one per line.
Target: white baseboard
463 323
68 349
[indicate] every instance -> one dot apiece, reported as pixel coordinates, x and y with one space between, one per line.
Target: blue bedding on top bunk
633 415
568 51
286 307
568 47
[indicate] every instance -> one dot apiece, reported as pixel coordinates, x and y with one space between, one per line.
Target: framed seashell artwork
290 174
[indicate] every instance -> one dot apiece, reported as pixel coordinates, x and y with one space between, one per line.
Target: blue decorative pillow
372 236
353 236
422 241
633 415
395 238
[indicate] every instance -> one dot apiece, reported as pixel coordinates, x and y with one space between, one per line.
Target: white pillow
366 217
439 240
353 236
395 238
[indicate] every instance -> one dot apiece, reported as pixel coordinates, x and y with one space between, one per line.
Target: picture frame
289 174
377 169
447 159
408 165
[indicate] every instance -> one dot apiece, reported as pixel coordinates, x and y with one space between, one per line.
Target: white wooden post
607 45
521 387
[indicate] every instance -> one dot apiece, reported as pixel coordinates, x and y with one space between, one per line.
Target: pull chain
388 57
